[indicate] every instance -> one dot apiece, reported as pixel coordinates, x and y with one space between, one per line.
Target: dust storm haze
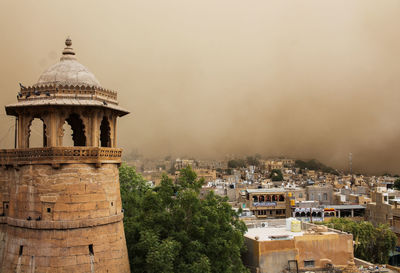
306 79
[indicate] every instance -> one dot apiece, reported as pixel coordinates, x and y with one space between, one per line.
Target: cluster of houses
308 196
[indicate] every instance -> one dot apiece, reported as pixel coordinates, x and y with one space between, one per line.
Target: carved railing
61 91
60 155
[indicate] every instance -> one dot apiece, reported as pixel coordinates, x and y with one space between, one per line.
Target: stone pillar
94 130
20 131
338 215
114 132
352 212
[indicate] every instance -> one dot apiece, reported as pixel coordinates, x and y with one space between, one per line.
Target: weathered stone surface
78 205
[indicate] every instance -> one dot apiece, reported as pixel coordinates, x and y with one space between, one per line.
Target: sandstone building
60 207
313 249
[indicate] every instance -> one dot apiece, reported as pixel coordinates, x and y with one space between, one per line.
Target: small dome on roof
68 71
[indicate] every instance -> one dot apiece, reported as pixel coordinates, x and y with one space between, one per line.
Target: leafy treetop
169 228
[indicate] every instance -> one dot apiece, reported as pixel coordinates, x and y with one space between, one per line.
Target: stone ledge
33 224
60 155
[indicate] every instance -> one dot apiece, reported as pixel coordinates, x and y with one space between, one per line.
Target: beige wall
273 256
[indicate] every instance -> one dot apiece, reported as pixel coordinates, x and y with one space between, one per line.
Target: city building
268 203
277 249
323 193
379 211
61 205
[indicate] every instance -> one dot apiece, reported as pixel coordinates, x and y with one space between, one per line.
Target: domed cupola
68 93
68 71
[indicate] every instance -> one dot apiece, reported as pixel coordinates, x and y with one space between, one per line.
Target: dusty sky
308 79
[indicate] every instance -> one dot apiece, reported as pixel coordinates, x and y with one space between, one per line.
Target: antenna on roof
351 163
351 168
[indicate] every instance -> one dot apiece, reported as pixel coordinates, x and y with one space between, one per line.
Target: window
37 134
5 208
78 130
105 140
21 250
325 196
48 210
91 251
309 263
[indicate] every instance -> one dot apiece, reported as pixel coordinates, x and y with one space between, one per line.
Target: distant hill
314 164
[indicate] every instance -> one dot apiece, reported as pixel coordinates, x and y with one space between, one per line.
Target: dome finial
68 52
68 41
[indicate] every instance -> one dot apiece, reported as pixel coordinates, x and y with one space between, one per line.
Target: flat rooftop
271 190
274 233
265 234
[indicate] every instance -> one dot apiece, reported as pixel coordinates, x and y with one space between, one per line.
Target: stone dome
68 71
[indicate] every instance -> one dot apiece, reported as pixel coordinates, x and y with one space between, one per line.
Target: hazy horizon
304 79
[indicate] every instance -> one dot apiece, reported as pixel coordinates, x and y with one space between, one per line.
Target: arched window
255 198
37 134
281 198
261 198
268 198
78 131
105 140
67 135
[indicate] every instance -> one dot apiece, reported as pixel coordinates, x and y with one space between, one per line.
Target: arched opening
78 131
281 198
67 135
105 140
261 198
297 214
37 134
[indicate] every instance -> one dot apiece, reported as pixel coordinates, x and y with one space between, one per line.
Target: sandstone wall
62 220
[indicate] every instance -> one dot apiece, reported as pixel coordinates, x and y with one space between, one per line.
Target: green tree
276 175
253 160
373 244
236 163
314 164
397 184
170 229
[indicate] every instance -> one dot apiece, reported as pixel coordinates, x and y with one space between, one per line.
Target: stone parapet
50 91
60 155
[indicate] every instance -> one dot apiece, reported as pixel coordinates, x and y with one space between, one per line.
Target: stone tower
60 207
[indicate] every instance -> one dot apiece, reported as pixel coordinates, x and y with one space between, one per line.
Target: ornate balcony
60 155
